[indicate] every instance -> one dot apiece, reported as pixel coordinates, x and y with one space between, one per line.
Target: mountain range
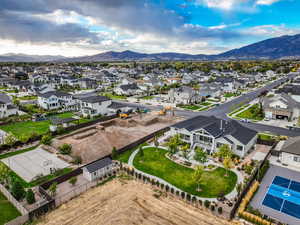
284 47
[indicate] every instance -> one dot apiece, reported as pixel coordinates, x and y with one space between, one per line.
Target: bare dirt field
98 141
127 202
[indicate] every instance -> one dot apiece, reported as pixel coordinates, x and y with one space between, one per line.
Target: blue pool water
284 196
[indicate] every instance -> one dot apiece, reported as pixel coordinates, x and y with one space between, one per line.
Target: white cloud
266 2
221 4
271 30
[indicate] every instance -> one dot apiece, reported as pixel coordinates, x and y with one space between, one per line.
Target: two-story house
210 133
183 95
94 106
6 106
56 100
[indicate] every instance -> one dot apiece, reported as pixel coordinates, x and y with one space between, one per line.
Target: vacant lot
213 183
98 141
7 210
121 202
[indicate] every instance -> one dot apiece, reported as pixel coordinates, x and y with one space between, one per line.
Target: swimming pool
283 195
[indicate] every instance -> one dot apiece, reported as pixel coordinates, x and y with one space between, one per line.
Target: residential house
128 89
98 169
281 106
6 106
289 152
210 133
183 95
210 90
87 83
57 100
94 106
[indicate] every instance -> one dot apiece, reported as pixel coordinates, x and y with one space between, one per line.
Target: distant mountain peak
284 47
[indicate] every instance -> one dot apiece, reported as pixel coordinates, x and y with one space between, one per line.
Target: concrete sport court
30 164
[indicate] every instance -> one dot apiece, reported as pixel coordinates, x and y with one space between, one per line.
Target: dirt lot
124 202
98 141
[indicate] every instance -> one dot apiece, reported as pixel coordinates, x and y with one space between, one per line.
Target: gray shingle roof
99 164
4 98
56 93
292 146
94 99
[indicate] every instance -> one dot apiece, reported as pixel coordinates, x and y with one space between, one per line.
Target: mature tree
224 151
17 190
200 155
173 144
228 164
30 198
53 188
156 143
197 176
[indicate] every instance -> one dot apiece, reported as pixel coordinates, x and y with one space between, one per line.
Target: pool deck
266 182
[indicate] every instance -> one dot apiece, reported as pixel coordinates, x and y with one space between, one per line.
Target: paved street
222 110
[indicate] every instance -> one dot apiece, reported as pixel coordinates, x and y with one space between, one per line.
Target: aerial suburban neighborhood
197 124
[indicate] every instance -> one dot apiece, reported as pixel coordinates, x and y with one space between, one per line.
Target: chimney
221 128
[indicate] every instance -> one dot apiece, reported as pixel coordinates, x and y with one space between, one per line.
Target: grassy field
26 128
7 210
266 137
124 157
205 103
251 113
27 98
213 182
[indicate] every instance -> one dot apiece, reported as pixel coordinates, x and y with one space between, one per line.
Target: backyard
25 129
213 183
7 210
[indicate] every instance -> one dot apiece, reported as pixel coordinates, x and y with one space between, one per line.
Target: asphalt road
222 110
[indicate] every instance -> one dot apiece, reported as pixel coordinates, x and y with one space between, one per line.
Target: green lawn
26 128
252 113
147 97
190 107
27 98
213 182
115 97
266 137
205 103
238 109
228 95
124 157
7 210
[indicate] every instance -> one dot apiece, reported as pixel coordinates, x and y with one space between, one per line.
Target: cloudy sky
85 27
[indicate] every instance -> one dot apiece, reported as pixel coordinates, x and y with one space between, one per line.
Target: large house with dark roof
56 100
94 105
210 133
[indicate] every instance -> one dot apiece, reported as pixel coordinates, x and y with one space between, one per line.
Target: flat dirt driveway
127 202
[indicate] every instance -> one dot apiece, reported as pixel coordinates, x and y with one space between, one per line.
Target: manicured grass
115 97
27 98
204 108
124 157
228 95
7 210
190 107
266 137
238 109
251 113
213 183
147 97
9 154
26 128
205 103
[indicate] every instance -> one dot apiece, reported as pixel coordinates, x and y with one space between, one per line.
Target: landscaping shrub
30 198
200 202
46 139
73 180
65 149
182 195
212 208
206 203
220 210
77 160
263 170
17 190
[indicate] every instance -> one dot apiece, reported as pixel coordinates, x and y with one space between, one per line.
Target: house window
219 144
239 148
296 158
